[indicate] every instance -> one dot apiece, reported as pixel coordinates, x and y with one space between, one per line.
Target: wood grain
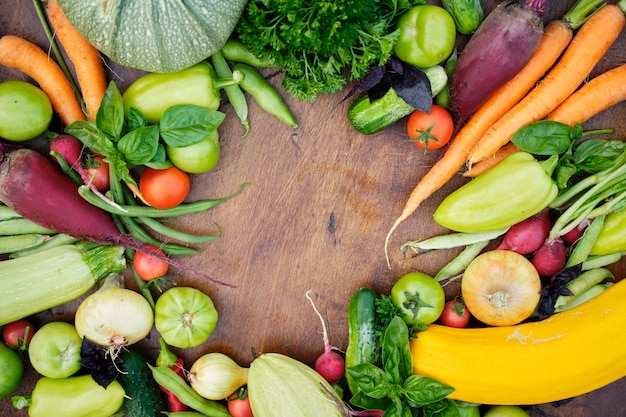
314 217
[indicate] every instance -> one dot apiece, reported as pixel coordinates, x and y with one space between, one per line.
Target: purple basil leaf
413 87
380 89
370 80
555 288
93 357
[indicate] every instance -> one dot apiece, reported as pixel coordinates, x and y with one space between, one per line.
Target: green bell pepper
612 237
154 93
515 189
75 396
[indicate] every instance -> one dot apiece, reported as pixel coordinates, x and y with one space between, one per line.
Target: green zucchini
51 277
467 14
371 117
143 395
362 338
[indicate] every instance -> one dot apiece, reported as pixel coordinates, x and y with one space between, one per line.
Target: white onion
215 376
114 317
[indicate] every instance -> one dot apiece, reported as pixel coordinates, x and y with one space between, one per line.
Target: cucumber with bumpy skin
143 395
362 338
371 117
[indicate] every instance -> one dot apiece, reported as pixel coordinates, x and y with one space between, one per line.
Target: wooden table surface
314 217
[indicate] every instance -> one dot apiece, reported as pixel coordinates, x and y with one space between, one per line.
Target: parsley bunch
320 44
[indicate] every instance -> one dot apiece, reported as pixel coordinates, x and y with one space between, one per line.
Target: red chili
169 359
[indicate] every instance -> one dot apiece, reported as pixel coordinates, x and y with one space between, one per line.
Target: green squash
155 35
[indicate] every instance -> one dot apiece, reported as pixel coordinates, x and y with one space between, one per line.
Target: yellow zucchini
569 354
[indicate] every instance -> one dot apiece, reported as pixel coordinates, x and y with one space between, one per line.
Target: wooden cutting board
314 217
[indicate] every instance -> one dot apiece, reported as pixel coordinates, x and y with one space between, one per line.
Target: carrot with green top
84 57
588 46
23 55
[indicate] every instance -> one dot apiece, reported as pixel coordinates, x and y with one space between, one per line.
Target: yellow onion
113 316
215 376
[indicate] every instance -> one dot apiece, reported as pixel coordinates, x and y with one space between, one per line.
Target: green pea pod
467 14
235 50
266 96
515 189
154 93
612 237
75 396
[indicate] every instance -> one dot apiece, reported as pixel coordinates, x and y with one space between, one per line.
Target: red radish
32 185
576 233
529 235
550 257
496 52
330 364
71 149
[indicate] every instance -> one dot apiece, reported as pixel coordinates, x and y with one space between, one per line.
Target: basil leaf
362 400
185 124
159 160
545 137
121 169
396 339
110 116
443 408
421 390
595 155
140 145
371 380
91 137
136 119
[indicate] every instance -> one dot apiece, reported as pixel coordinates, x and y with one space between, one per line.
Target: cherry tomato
164 188
11 370
455 313
149 267
18 334
430 130
239 404
419 297
98 170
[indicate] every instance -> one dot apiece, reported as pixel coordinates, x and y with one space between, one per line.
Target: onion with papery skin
113 316
215 376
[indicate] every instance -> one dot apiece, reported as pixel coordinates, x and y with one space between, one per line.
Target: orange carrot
589 45
557 35
597 95
23 55
84 57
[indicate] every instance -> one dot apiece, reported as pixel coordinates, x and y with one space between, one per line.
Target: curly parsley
321 44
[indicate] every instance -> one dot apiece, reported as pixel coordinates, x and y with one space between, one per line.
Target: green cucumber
371 117
467 14
362 338
143 395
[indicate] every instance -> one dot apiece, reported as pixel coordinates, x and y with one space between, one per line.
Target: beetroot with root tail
528 235
501 46
550 258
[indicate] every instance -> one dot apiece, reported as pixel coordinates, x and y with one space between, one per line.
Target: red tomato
98 170
149 267
164 188
430 131
15 334
239 404
455 314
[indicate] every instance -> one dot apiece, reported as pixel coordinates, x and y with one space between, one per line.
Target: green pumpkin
155 35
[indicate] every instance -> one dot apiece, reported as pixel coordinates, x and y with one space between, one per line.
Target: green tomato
11 370
25 111
200 157
55 350
427 35
469 411
419 297
506 411
185 317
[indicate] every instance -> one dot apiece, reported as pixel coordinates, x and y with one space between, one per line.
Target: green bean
264 93
236 97
582 283
176 234
453 240
52 241
22 226
169 380
15 243
7 213
581 249
461 261
235 50
585 296
602 260
145 211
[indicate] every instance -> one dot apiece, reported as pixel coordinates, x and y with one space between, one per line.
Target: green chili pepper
264 93
235 50
75 396
154 93
169 380
235 95
612 237
515 189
